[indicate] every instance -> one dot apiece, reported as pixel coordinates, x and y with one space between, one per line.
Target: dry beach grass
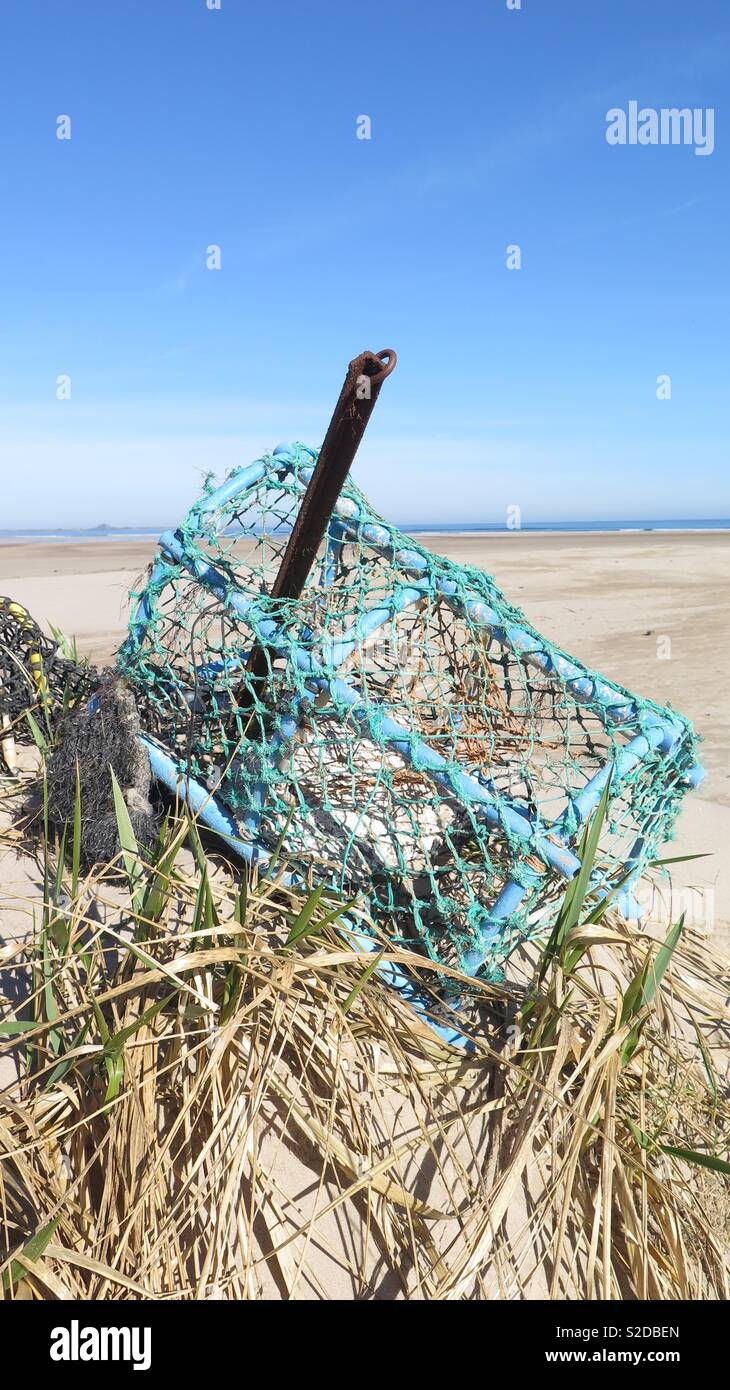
207 1095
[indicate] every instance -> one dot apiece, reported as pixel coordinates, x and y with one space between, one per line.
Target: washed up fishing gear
90 722
35 676
317 684
33 669
398 721
100 735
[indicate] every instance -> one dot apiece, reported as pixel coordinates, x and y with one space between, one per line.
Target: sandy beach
647 609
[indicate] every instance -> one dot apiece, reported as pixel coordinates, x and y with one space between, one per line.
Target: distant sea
433 528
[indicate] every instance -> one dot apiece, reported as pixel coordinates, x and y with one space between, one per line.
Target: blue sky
237 127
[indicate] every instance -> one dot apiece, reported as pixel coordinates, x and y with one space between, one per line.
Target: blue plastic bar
507 902
581 807
281 739
583 803
279 461
140 619
332 654
240 482
336 653
171 544
332 555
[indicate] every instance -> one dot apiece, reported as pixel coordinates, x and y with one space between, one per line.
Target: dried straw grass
260 1133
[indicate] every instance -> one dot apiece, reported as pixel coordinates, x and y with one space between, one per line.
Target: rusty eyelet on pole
389 358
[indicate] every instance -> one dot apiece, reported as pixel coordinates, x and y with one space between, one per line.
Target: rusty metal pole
360 391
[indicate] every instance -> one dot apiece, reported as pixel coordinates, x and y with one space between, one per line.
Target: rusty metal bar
360 391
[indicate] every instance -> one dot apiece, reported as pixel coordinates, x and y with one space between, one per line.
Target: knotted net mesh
413 735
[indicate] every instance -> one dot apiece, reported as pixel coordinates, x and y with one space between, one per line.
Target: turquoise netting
414 737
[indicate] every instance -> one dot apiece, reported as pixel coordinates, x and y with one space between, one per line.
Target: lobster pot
413 737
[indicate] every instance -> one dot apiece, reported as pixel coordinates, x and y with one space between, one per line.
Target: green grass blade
640 993
232 986
49 998
718 1165
117 1041
304 926
76 837
591 839
660 964
707 1061
114 1066
352 996
679 859
301 925
39 739
67 1063
645 983
572 905
12 1027
158 891
209 913
274 860
240 910
32 1251
130 848
643 1140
